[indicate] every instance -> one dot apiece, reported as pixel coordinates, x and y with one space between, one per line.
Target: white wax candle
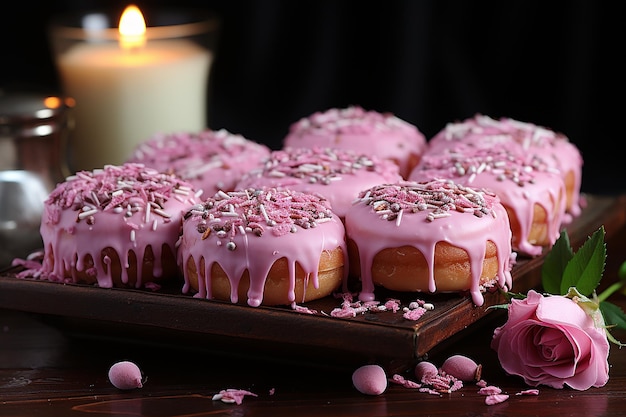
125 96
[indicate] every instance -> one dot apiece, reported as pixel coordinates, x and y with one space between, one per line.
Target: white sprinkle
181 191
147 218
88 213
161 212
229 214
264 213
132 235
222 194
95 199
399 218
154 224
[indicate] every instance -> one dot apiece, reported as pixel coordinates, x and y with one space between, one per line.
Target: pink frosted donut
434 236
270 247
116 226
376 134
532 192
336 174
211 160
554 149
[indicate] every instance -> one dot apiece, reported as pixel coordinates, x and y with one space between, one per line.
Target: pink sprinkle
393 305
343 312
411 384
304 310
496 399
414 314
490 390
430 391
529 392
397 379
232 396
406 383
152 286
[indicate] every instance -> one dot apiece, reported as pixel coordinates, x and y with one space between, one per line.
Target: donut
336 174
262 246
367 131
552 148
211 160
532 193
434 236
114 227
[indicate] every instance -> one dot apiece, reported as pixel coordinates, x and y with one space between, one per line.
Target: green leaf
613 315
584 271
554 265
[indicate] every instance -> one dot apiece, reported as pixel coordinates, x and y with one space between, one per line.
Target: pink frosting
519 180
369 132
553 148
251 229
337 174
126 208
422 214
210 160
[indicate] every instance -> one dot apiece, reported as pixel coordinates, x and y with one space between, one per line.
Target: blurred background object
132 77
33 131
557 64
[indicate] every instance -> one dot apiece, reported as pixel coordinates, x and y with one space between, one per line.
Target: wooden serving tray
170 318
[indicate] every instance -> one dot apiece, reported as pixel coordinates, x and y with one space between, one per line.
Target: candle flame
132 28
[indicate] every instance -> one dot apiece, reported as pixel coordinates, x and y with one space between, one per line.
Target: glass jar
33 135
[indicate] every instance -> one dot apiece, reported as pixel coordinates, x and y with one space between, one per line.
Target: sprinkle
161 212
496 399
147 216
528 392
231 396
88 213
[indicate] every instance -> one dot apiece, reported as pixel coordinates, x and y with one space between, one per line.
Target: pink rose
552 341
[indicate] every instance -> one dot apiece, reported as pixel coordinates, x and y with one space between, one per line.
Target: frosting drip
336 174
211 160
127 208
423 214
253 228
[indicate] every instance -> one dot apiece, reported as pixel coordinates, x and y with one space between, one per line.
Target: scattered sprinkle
231 396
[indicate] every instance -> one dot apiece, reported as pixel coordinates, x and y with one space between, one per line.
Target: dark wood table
45 373
47 369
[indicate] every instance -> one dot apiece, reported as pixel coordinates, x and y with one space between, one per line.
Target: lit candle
126 91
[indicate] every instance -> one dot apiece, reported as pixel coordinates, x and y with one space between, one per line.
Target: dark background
554 63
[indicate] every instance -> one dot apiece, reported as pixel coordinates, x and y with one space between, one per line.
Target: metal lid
19 111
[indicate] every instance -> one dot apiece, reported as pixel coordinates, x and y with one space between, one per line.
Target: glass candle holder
130 86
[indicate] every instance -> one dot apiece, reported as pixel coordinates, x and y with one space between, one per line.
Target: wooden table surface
47 371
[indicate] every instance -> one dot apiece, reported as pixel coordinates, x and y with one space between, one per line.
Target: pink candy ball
370 380
125 375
